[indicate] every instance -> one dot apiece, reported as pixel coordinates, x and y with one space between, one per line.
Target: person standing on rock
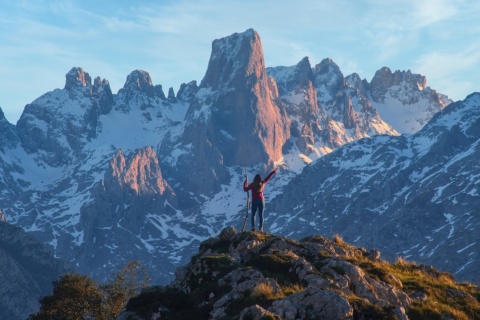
258 199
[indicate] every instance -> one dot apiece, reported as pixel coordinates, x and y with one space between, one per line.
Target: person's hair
258 183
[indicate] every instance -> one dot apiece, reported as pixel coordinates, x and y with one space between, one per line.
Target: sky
41 40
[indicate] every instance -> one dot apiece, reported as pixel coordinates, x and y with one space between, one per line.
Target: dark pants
259 205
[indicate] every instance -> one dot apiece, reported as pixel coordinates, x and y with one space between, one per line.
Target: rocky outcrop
140 174
27 270
258 276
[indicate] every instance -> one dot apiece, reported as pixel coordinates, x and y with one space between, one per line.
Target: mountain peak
238 53
384 79
289 78
76 77
329 78
140 81
254 129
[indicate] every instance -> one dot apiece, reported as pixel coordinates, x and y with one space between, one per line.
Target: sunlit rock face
140 174
251 126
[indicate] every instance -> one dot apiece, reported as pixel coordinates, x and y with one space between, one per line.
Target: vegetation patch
210 269
292 289
444 296
276 265
374 271
80 297
263 295
265 291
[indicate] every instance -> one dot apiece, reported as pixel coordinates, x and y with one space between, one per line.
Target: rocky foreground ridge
253 275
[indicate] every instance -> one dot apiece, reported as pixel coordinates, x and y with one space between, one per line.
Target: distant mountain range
104 178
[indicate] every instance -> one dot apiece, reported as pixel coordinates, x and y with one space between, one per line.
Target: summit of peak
140 80
77 77
239 53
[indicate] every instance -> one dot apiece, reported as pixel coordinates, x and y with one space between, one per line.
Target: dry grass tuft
337 239
292 289
265 291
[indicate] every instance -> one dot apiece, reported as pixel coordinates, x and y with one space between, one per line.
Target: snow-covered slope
105 178
404 100
413 196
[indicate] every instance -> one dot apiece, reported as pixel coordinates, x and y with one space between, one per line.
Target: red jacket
256 195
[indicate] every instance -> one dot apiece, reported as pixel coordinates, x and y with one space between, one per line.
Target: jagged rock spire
254 129
140 80
77 77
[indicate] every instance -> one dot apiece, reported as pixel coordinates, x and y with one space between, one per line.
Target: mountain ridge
408 188
54 182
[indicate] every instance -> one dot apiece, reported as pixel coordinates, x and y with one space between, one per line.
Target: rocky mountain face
232 119
392 92
27 270
262 276
329 110
413 196
104 178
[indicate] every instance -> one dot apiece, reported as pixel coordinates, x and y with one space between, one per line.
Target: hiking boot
253 230
260 230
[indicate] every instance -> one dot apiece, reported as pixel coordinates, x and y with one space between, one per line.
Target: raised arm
270 175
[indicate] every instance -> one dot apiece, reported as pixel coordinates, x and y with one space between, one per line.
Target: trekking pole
248 202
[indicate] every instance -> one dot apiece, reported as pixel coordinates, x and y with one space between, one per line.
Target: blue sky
40 40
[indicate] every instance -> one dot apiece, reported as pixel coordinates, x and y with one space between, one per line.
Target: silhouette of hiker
258 199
